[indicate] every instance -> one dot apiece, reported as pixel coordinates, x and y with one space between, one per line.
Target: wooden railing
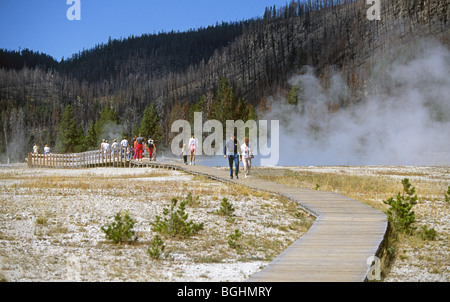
113 158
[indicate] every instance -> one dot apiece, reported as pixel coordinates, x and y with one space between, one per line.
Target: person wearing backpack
151 148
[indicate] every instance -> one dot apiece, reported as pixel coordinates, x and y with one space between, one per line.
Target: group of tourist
133 149
36 149
237 153
232 150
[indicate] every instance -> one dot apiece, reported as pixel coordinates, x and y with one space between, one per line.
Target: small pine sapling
226 209
156 248
121 230
233 239
400 212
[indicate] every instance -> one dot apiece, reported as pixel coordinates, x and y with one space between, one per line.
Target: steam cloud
404 118
16 148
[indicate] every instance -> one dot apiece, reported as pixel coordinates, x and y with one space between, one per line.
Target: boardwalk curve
336 248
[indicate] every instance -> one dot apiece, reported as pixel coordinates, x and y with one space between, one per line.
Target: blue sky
42 25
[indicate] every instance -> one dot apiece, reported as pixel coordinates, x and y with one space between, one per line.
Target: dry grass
369 189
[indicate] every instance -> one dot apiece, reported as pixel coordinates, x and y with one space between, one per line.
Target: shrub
233 239
191 201
121 230
400 213
156 248
428 234
175 221
226 209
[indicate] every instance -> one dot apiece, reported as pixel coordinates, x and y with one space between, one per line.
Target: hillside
258 58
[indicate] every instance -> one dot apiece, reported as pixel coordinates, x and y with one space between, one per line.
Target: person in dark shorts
231 150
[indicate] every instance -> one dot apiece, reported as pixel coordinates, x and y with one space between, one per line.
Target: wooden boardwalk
336 248
89 159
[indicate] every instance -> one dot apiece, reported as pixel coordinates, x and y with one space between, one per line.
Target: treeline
222 106
179 72
11 59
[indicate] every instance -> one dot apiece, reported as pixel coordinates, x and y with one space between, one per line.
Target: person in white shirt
102 147
124 144
246 156
36 149
115 144
193 148
115 147
184 153
46 150
107 149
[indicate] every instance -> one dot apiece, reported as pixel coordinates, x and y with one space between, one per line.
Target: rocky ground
50 226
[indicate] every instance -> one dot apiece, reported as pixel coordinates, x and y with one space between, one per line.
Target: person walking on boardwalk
124 146
184 153
246 156
193 142
133 146
46 150
151 147
107 149
35 149
231 150
115 148
102 148
139 148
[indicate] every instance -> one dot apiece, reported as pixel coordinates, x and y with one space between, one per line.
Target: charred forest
227 71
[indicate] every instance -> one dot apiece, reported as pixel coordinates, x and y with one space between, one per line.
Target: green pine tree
252 113
241 110
91 140
69 137
225 102
200 106
150 122
400 212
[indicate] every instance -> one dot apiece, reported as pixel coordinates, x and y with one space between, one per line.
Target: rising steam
404 118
